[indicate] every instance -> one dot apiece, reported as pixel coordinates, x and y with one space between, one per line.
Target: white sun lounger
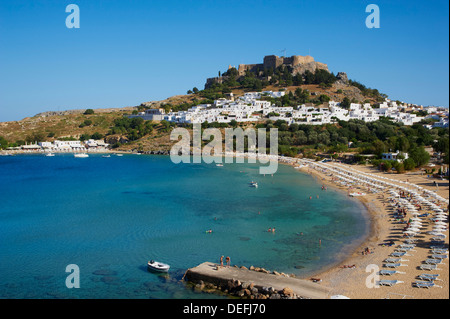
438 256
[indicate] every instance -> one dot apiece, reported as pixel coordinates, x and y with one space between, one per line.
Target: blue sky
128 52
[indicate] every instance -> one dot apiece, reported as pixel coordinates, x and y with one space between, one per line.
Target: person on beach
227 260
221 261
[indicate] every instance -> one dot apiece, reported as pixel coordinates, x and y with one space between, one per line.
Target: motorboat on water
49 154
106 155
219 165
253 184
81 155
158 266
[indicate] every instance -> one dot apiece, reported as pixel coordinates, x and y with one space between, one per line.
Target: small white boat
220 165
118 154
106 155
158 266
49 154
253 184
81 155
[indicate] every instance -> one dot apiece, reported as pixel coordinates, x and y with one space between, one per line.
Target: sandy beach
357 283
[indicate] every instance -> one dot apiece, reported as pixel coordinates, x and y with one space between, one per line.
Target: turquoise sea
109 216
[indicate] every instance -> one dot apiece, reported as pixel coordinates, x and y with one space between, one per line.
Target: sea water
109 216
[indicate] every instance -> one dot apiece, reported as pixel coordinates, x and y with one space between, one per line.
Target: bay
109 216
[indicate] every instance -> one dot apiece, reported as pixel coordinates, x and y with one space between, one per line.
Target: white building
394 156
250 108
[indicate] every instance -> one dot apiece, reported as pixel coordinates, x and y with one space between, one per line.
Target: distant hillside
303 79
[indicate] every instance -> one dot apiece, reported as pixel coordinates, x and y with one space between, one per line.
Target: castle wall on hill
299 64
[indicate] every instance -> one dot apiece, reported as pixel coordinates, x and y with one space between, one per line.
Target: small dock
209 272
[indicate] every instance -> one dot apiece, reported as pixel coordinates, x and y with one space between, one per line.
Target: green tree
3 143
409 164
419 155
96 136
345 103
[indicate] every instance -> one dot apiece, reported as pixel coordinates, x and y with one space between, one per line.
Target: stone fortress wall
299 64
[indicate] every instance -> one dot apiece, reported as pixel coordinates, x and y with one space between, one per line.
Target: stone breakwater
253 283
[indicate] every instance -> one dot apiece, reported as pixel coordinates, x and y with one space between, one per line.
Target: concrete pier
209 272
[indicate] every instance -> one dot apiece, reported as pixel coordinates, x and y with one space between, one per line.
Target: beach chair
399 254
394 260
437 256
389 283
429 277
407 246
405 249
394 265
433 261
437 242
429 267
425 284
385 272
440 251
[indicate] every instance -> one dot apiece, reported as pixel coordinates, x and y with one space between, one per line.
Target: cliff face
297 63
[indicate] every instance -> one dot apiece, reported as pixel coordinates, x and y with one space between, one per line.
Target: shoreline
351 282
349 252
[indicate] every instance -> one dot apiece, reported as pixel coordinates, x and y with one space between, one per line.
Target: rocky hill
274 74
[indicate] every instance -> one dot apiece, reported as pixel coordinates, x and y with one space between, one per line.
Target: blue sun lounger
425 284
385 272
429 277
433 261
395 260
389 283
436 256
399 254
429 267
394 265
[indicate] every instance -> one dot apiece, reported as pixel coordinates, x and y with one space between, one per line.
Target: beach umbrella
440 223
415 224
434 233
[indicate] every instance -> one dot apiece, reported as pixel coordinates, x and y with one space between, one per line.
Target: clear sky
128 52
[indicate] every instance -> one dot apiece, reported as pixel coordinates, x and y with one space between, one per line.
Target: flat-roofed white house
394 156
